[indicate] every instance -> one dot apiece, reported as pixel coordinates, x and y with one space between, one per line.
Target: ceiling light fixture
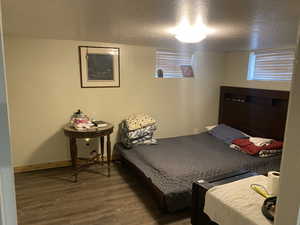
187 33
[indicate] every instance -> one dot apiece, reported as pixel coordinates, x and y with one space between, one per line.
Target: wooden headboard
257 112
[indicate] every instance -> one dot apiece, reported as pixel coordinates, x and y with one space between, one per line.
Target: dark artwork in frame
99 67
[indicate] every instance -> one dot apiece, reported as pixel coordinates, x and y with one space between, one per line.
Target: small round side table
100 133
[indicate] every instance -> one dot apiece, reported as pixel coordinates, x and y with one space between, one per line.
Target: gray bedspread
174 163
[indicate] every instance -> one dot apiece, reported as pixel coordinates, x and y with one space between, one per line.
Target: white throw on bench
236 203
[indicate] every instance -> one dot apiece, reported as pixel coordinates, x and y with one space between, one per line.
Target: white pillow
208 128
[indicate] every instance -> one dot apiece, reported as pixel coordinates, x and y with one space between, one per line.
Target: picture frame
187 70
99 67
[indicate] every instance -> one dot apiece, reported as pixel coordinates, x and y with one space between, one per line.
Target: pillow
208 128
226 133
137 121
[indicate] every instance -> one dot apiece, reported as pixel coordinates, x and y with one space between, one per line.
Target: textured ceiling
239 24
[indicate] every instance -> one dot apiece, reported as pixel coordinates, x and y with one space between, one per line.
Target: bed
171 167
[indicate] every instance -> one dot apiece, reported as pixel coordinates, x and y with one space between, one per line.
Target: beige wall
236 70
289 200
44 90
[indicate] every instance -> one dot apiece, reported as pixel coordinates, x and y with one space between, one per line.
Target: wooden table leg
73 150
102 148
108 147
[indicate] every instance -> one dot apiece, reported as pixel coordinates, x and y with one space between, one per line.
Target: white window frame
178 54
252 66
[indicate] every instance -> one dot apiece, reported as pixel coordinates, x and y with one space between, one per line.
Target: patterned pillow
137 121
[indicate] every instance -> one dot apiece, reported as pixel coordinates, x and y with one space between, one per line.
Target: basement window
173 64
271 65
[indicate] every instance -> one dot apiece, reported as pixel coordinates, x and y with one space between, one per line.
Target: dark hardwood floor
50 198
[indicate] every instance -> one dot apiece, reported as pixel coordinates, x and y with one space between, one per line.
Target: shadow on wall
53 149
56 148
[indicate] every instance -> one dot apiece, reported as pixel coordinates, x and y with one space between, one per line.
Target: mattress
175 163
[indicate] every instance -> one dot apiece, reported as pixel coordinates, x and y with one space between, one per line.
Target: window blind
271 65
170 63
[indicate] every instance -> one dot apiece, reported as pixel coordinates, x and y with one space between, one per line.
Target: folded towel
269 153
235 147
251 149
265 153
137 121
257 141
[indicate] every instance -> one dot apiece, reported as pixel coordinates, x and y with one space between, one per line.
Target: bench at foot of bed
198 217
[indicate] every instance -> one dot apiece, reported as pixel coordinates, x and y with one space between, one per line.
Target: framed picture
99 66
187 71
